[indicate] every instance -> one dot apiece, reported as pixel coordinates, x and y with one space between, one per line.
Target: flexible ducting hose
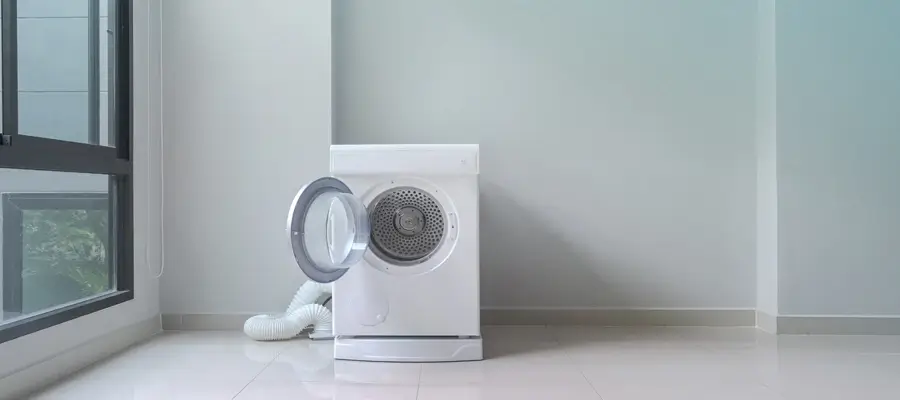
301 313
309 293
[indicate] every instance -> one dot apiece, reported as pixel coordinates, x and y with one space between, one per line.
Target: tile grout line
259 373
559 346
419 381
594 388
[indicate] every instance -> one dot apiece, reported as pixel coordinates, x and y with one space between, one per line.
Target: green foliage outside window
65 256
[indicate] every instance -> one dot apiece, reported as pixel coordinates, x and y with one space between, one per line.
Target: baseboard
523 316
816 325
204 322
618 317
838 325
40 375
766 322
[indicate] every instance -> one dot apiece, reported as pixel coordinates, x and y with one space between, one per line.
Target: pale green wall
617 137
838 117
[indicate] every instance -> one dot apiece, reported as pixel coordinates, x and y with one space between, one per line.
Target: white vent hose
301 313
309 293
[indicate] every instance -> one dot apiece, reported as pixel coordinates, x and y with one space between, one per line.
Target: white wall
28 350
630 155
617 137
838 164
247 117
766 162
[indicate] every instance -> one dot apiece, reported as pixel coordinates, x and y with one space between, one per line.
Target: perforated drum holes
407 225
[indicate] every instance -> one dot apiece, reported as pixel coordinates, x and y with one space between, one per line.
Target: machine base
425 349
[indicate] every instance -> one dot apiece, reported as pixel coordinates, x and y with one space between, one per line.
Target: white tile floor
559 363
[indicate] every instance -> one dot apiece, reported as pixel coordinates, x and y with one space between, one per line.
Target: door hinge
5 140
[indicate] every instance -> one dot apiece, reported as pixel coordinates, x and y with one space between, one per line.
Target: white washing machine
396 229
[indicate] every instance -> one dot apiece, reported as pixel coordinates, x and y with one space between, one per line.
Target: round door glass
329 229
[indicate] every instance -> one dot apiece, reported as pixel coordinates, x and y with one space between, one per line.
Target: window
55 249
65 161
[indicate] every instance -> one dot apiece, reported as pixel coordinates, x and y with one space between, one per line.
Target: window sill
21 327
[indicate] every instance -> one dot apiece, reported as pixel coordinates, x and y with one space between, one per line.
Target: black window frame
19 151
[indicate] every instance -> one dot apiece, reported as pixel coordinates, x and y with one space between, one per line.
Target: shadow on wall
525 263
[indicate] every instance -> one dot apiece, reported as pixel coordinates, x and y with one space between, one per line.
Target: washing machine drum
331 229
407 225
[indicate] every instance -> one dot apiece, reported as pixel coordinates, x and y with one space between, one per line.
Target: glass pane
336 231
56 242
62 60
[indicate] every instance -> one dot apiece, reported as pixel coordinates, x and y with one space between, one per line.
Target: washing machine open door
328 228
